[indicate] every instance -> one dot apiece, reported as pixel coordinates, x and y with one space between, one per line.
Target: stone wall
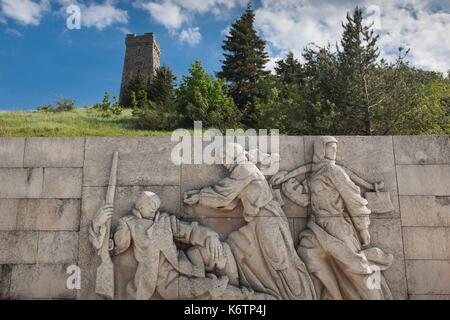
51 188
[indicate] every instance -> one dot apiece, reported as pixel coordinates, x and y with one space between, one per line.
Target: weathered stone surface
40 282
429 296
11 152
57 247
48 214
8 214
124 200
21 183
386 234
428 276
62 183
424 180
54 152
142 162
422 150
292 152
426 211
372 158
427 243
18 247
5 281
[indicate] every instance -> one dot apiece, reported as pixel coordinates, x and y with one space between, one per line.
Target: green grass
78 123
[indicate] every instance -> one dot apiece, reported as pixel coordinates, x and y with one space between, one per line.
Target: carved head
148 204
325 148
232 153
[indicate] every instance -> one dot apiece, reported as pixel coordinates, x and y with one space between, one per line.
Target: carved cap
319 147
147 197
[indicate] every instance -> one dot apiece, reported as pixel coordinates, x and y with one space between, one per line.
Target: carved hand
278 178
365 237
192 197
378 185
103 215
214 247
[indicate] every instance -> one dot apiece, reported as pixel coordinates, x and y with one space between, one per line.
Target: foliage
244 63
201 98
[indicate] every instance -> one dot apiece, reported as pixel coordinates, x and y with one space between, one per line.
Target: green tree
201 98
290 70
244 63
359 88
161 87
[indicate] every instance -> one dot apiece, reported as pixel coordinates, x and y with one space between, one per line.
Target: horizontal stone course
54 152
425 211
427 243
11 152
18 247
428 276
57 247
142 162
424 180
40 281
62 183
422 149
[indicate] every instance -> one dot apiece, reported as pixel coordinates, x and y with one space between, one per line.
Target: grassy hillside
82 122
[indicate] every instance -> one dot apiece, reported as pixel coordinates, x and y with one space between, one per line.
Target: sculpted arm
122 237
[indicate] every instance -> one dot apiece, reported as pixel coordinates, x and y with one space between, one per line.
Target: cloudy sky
41 58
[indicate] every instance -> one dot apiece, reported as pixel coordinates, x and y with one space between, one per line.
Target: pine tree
358 91
161 87
244 63
290 70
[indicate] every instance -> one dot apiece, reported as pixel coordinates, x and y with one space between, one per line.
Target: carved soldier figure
264 250
336 244
162 267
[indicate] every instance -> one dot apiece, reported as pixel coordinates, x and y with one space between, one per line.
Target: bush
61 105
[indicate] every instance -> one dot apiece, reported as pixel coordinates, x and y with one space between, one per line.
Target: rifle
104 285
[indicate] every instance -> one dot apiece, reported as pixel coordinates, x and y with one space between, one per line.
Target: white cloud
172 14
191 36
14 32
419 25
25 12
103 15
165 13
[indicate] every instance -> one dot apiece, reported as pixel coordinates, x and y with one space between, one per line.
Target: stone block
427 243
62 183
8 214
40 282
422 150
21 183
54 152
386 234
372 158
11 152
292 152
428 276
5 281
429 296
142 162
58 247
18 247
426 211
423 180
93 198
48 214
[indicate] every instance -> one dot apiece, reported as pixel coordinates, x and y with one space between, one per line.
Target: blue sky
40 59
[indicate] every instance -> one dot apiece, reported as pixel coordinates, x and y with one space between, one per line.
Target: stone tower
142 56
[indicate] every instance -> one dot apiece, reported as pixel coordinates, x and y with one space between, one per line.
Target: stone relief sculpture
336 244
206 270
334 259
263 249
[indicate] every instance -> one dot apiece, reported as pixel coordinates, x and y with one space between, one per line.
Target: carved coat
160 263
263 249
330 246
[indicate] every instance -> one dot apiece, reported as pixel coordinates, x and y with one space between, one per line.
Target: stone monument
142 56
